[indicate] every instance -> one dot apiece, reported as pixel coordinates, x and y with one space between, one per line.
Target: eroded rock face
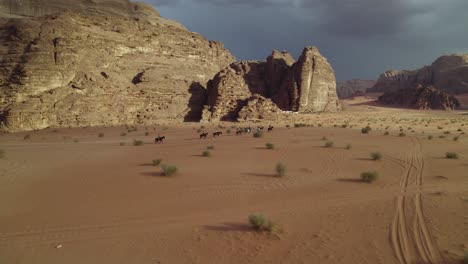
421 97
308 85
351 88
259 108
447 73
72 69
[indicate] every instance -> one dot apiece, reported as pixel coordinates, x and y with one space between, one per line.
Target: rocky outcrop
259 108
447 73
38 8
305 86
421 97
351 88
74 68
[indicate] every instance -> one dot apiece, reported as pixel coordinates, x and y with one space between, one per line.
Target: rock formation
447 73
99 63
421 97
351 88
306 86
259 108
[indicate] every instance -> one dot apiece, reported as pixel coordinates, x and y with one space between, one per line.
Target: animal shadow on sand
270 175
226 227
154 174
350 180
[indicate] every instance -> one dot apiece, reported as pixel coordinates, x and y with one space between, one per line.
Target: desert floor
69 196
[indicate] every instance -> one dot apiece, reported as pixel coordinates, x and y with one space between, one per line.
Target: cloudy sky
361 38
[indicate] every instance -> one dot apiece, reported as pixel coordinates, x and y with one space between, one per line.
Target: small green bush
280 169
269 145
430 137
101 135
369 176
376 156
210 147
137 142
156 162
465 259
228 131
168 170
258 134
329 144
206 153
401 134
386 133
260 223
366 130
451 155
348 146
455 138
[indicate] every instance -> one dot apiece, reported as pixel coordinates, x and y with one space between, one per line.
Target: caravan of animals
167 150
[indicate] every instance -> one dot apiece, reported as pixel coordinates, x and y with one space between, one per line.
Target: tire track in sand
412 243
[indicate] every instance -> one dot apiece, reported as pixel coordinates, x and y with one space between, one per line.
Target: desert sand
70 196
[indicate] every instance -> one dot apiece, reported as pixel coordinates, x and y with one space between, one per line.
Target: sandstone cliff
447 73
306 86
351 88
421 97
119 64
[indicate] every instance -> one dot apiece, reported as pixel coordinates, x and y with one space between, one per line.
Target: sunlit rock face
100 63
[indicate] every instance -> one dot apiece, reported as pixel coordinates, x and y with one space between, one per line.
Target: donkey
159 139
203 135
270 128
217 133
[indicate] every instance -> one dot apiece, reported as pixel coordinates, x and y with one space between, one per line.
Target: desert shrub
260 223
344 125
369 176
451 155
320 125
137 142
441 136
146 133
329 144
446 132
210 147
348 146
401 134
288 126
122 144
430 137
131 129
324 138
156 162
386 133
459 130
465 259
123 134
101 135
199 130
258 134
228 131
376 156
168 170
300 125
27 136
439 127
76 140
206 153
455 138
269 145
2 154
366 130
280 169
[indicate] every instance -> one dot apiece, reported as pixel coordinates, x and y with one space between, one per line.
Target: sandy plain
70 196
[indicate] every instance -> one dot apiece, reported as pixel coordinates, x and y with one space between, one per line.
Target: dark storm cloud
361 38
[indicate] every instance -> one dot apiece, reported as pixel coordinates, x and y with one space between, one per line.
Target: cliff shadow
198 98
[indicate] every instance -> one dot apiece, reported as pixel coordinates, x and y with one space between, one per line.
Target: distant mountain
351 88
447 73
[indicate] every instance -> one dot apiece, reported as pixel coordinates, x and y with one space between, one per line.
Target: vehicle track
412 241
